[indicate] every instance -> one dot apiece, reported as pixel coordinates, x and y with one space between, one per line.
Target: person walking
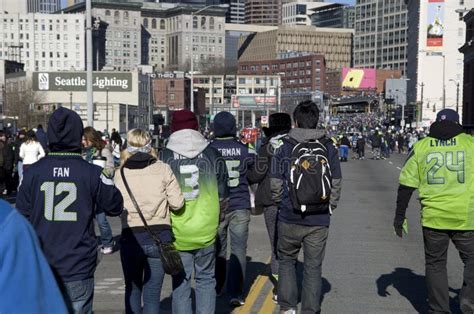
42 137
360 147
59 197
202 176
95 149
30 151
6 165
18 163
27 284
239 159
279 126
305 206
156 191
441 168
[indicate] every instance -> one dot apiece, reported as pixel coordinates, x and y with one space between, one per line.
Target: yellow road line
268 305
257 286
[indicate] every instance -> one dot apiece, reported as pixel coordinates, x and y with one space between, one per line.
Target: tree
20 100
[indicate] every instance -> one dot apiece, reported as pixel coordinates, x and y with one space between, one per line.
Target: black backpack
310 176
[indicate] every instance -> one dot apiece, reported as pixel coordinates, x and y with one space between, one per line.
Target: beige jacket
156 190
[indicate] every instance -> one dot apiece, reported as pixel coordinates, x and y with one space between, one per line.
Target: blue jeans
344 151
291 238
202 262
143 273
106 236
79 295
236 223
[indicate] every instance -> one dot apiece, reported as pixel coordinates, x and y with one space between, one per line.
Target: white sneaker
106 250
236 302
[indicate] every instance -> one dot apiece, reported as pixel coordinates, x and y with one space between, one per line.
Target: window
203 22
211 23
153 24
117 17
195 22
145 22
107 13
163 26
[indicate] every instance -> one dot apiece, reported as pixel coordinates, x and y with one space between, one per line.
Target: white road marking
399 168
390 162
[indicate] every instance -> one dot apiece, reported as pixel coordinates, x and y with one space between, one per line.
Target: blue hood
225 125
65 131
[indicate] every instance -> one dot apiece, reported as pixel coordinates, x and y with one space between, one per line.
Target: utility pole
421 107
444 81
457 97
90 96
70 100
107 109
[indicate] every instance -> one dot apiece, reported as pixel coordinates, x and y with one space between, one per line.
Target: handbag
170 258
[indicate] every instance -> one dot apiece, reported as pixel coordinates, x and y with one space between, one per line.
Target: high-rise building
333 15
381 34
435 64
43 42
265 12
298 12
235 12
43 6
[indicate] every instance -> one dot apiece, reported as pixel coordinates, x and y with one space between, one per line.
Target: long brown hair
93 136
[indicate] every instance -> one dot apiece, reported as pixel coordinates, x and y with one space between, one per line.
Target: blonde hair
136 138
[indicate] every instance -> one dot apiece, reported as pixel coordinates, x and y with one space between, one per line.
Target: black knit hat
278 122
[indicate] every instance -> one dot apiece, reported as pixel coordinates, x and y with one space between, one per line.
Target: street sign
76 81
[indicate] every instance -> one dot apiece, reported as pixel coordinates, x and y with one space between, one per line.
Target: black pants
436 257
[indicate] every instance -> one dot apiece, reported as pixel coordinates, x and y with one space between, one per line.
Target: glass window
211 23
153 24
162 24
145 22
203 22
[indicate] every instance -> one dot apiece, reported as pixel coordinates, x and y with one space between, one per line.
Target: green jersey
442 171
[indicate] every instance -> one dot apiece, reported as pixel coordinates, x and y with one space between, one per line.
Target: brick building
304 73
171 92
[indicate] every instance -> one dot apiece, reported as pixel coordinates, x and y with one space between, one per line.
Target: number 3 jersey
202 177
442 169
59 195
238 159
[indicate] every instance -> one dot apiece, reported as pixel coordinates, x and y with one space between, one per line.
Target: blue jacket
27 284
280 174
239 160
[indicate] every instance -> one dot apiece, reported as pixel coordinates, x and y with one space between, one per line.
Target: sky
352 2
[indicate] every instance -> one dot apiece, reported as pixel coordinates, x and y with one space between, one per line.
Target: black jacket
260 174
7 156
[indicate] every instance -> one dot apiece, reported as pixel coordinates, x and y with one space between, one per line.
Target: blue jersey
59 195
239 159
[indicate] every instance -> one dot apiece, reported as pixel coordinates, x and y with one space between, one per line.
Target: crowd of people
185 207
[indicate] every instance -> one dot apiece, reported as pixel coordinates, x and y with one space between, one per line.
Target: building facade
435 63
333 15
43 42
304 73
265 12
43 6
171 91
334 43
298 12
381 32
123 36
468 88
14 6
171 45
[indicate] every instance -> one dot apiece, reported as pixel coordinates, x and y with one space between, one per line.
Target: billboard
76 81
359 78
253 102
435 24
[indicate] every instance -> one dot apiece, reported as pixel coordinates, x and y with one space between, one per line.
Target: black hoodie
60 195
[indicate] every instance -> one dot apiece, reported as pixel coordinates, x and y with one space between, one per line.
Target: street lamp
457 93
193 14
